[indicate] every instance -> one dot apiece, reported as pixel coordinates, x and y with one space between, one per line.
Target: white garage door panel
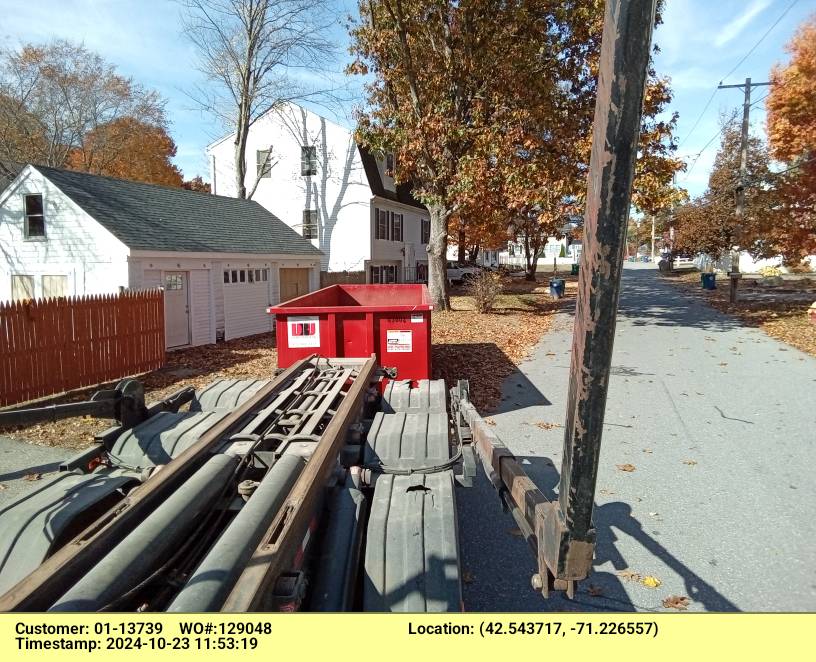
245 306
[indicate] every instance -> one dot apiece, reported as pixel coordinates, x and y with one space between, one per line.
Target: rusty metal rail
278 551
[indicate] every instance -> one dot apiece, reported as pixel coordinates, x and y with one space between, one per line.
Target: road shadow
38 469
485 366
646 301
499 562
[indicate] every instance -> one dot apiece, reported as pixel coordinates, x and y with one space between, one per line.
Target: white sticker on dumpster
417 319
398 341
303 331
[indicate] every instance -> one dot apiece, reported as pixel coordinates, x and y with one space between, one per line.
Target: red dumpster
391 321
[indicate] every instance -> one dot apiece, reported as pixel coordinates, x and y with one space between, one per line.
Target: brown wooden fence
49 346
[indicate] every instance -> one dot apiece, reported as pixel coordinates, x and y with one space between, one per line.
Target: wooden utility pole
734 274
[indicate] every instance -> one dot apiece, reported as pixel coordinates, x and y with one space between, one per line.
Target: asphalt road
719 422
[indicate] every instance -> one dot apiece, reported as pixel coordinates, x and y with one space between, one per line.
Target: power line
745 57
761 39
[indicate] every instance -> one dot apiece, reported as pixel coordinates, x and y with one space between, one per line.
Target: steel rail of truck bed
40 589
279 545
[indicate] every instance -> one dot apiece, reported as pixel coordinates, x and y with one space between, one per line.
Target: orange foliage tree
791 125
128 149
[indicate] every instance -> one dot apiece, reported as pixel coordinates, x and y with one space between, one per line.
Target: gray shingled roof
161 218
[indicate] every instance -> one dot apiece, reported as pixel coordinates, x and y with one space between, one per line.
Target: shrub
484 288
770 271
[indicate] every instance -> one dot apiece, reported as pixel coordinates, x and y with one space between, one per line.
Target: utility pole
734 274
653 236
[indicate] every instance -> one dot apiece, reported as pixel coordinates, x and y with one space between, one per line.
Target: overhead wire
733 69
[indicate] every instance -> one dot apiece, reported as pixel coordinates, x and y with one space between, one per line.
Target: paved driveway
719 422
19 459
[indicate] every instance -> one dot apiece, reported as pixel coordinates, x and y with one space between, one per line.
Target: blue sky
700 41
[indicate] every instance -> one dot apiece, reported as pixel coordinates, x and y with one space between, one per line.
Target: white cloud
735 27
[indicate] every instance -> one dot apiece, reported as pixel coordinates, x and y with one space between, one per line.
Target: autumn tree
709 224
791 125
460 91
128 149
197 184
53 96
251 52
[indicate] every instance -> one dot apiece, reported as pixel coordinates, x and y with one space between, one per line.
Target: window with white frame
382 274
382 224
308 160
396 226
310 224
263 163
34 217
390 164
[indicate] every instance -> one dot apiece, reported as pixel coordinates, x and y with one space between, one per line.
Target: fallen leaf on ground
595 591
467 576
489 421
647 450
626 467
32 477
544 425
2 487
679 602
606 492
629 575
691 463
650 582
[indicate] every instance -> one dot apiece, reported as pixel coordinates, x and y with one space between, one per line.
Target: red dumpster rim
286 307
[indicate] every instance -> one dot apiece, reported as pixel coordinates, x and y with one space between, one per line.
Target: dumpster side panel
299 336
404 343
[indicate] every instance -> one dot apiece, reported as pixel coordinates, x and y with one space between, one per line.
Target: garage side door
246 297
293 283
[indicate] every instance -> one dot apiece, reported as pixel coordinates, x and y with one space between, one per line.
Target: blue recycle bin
709 281
557 287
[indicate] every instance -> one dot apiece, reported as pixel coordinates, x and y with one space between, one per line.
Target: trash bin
356 321
557 286
709 281
574 269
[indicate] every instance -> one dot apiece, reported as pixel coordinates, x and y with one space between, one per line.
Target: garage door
293 283
246 297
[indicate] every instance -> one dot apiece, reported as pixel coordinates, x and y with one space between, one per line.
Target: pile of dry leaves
784 317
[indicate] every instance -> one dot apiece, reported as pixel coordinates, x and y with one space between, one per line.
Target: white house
310 173
220 260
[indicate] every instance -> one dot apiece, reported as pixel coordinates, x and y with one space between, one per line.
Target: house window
34 217
258 276
425 230
396 226
382 224
263 163
226 277
251 275
384 274
242 276
173 282
54 286
265 274
390 164
234 275
310 224
308 160
22 287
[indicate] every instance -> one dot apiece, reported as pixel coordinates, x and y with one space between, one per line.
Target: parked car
459 273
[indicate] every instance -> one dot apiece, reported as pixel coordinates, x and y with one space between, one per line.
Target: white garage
218 259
